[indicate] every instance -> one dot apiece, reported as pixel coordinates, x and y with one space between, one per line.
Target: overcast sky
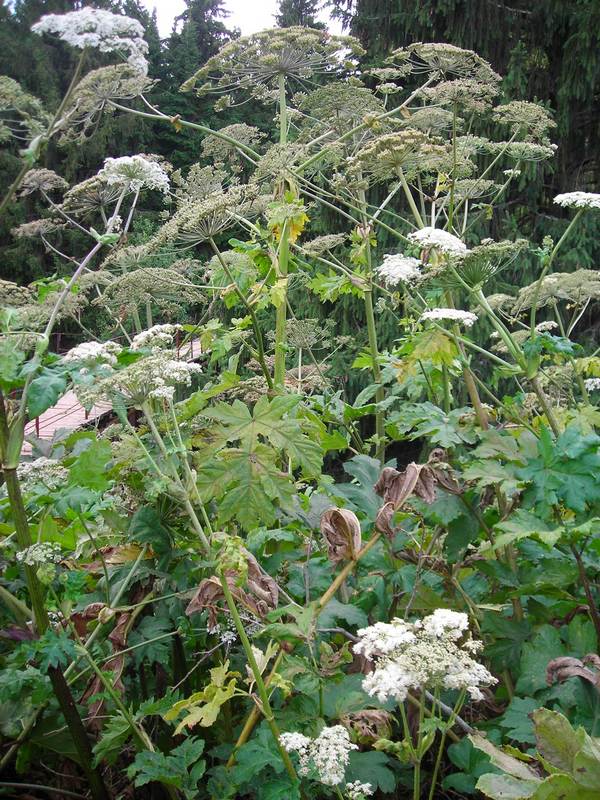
248 15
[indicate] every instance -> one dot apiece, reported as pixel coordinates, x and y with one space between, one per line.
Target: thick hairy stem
593 608
372 332
545 404
57 678
254 715
260 348
547 266
258 679
283 257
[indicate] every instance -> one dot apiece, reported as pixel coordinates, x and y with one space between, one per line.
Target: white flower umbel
40 553
544 327
152 377
101 30
383 637
42 473
466 318
445 622
592 384
442 240
94 352
578 200
159 336
358 791
439 655
327 755
133 173
397 269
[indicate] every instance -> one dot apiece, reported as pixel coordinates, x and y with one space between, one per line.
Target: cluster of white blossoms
578 200
397 268
40 553
154 377
442 240
328 754
592 384
357 790
158 336
544 327
102 30
42 472
134 173
94 352
453 314
436 652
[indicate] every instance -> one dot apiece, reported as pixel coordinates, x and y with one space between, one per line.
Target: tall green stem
283 257
40 615
258 679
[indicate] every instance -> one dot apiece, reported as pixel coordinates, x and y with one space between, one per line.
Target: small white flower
40 553
382 638
512 173
439 654
328 754
592 384
103 30
158 336
397 268
467 318
441 240
358 791
543 327
134 173
578 200
94 352
444 621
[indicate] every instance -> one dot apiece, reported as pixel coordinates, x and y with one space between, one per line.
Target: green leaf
89 468
335 611
506 787
545 645
181 768
371 767
517 721
44 391
555 739
566 471
115 734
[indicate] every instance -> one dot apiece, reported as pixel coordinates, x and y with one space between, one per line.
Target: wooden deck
68 413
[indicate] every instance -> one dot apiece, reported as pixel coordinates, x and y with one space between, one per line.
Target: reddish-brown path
69 414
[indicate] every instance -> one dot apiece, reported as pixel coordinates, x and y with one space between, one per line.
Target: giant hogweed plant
189 591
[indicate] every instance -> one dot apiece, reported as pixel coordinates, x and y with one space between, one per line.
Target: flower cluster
40 553
454 314
42 180
42 472
578 200
154 377
328 754
133 173
93 27
544 327
94 352
592 384
358 791
441 240
397 268
256 62
158 336
22 116
436 652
